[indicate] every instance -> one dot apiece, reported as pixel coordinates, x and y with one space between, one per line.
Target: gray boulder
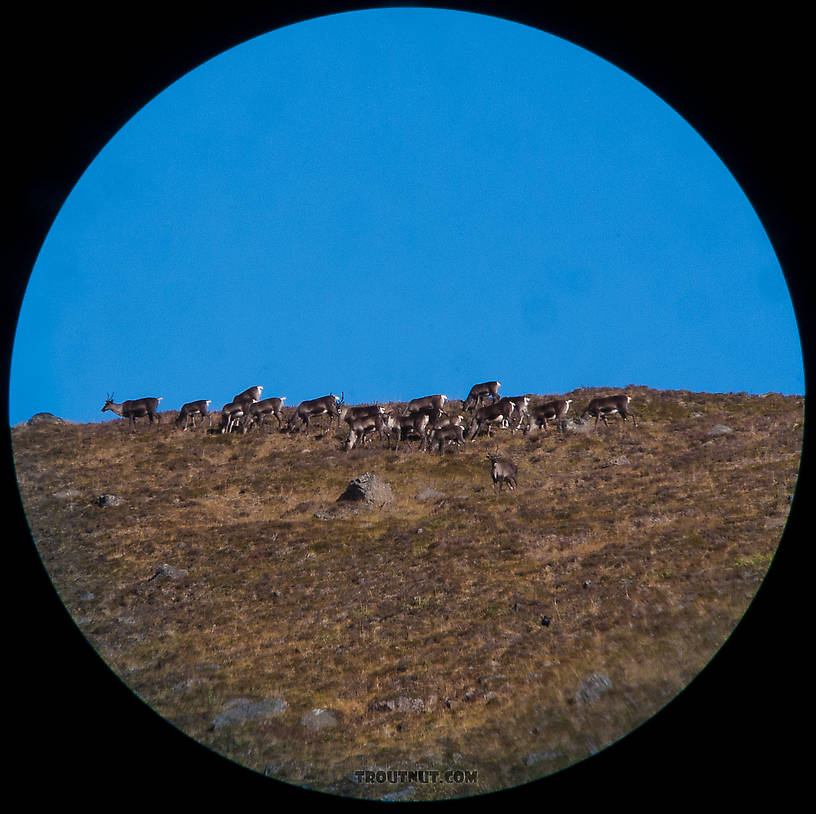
318 719
44 418
368 488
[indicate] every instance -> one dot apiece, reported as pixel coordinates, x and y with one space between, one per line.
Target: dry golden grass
642 547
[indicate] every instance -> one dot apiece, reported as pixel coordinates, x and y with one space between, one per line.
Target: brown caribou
190 410
446 434
134 408
426 403
257 411
550 410
233 415
479 392
251 393
601 407
487 416
502 471
310 408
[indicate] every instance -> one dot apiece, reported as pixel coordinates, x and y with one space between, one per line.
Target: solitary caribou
550 410
502 471
135 408
479 392
190 410
601 407
306 410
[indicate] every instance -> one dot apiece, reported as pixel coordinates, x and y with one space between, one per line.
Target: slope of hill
452 629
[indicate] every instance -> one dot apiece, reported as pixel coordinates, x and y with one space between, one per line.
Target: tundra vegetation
454 627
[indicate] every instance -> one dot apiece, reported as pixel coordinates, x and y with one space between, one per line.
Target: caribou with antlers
502 471
135 408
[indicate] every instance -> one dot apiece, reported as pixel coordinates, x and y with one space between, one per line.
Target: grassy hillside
451 629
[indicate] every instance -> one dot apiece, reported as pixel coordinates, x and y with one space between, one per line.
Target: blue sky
398 202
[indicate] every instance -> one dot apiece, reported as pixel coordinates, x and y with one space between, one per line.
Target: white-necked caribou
134 408
601 407
233 415
251 393
479 392
426 403
495 413
307 410
190 410
257 412
553 410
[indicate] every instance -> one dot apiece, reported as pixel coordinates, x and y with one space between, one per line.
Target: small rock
720 429
67 494
401 704
429 494
170 571
242 709
109 500
318 719
574 425
537 757
593 688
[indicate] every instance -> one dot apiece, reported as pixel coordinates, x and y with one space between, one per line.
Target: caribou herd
423 419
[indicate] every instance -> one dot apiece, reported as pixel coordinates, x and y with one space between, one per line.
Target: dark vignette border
77 76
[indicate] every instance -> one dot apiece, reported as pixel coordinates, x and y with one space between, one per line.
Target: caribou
251 393
307 410
601 407
426 403
446 434
133 409
257 411
190 410
541 413
479 392
502 471
414 423
520 405
362 424
487 416
234 414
